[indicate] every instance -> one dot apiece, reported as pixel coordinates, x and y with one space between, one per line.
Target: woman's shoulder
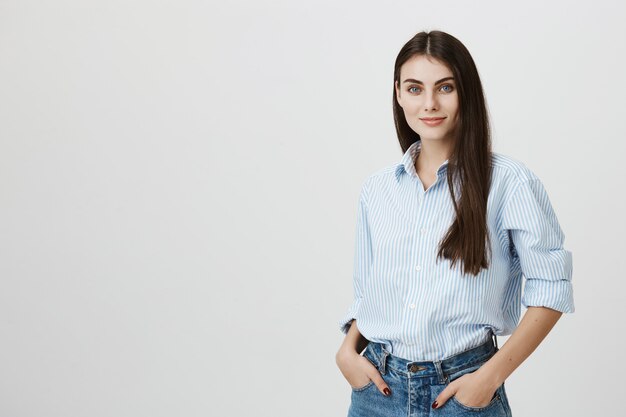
380 175
511 169
376 181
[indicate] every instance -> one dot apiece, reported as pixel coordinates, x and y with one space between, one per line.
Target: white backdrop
179 183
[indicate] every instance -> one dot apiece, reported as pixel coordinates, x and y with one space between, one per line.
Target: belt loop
383 360
495 339
442 377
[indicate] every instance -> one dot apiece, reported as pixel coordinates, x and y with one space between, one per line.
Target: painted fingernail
435 405
386 391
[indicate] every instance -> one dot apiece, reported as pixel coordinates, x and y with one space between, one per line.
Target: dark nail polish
435 405
386 391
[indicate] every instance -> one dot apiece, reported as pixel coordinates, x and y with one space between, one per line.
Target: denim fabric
415 385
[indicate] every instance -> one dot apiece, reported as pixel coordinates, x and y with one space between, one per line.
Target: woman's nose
430 101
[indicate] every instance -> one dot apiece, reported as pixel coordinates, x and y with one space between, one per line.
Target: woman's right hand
358 371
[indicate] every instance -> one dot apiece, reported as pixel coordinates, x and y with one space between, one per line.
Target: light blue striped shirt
423 310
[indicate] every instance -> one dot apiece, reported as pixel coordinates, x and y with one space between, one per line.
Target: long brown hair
467 239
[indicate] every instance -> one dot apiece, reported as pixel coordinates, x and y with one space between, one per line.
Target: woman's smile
432 121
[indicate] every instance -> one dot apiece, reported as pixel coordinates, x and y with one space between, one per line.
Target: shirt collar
407 163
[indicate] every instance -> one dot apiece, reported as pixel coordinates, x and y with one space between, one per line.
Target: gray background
179 183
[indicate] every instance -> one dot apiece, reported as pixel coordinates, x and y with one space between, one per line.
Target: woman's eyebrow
411 80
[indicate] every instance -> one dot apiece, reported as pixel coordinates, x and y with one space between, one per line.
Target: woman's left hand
469 389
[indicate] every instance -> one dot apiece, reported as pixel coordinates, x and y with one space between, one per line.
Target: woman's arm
478 387
353 342
352 364
532 329
534 230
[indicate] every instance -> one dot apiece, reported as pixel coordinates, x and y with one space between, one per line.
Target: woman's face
427 89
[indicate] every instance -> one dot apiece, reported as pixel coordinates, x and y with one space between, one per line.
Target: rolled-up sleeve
537 241
362 260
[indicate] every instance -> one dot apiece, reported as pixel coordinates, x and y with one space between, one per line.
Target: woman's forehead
424 68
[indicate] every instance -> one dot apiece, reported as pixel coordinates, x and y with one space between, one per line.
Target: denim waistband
441 368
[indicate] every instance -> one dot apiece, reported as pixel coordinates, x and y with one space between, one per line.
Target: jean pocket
495 399
363 388
371 357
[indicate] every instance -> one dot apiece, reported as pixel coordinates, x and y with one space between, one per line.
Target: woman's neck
432 154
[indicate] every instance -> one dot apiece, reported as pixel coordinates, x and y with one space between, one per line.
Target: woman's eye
449 87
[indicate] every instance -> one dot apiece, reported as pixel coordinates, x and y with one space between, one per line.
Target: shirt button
412 306
423 230
418 268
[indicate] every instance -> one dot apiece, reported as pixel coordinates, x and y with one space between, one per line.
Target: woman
443 238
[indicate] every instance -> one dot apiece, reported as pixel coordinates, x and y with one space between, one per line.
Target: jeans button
415 368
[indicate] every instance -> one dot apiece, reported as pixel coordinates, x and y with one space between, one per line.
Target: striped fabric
426 310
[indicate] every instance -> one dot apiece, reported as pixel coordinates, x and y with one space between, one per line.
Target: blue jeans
415 385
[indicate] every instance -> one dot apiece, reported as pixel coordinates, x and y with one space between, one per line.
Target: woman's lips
433 121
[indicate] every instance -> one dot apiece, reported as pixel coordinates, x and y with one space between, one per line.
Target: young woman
443 238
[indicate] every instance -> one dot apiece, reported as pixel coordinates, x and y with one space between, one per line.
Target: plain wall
179 183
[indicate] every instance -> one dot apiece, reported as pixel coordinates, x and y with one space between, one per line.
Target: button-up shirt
424 309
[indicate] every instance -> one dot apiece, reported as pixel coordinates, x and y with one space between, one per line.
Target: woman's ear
398 95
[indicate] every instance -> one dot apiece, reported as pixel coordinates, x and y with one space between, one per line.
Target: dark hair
467 239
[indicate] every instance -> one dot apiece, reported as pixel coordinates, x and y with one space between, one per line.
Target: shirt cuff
345 322
557 295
